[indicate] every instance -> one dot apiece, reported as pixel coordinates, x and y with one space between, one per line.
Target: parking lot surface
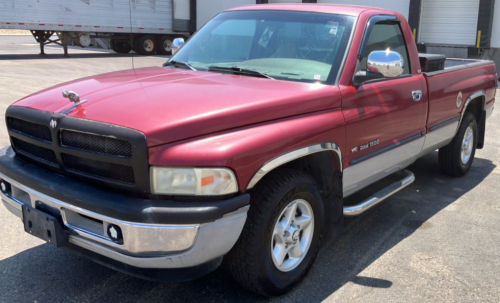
437 240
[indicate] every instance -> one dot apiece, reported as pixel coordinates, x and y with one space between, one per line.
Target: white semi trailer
146 26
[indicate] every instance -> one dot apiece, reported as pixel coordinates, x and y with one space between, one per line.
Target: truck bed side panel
444 87
88 15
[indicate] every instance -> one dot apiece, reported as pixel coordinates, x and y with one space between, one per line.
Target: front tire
455 159
281 236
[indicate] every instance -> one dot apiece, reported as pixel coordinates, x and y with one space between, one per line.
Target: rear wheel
145 45
120 46
164 45
281 236
455 159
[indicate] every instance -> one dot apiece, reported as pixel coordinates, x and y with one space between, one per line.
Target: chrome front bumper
144 245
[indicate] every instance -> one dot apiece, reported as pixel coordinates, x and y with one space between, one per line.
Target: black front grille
96 143
94 152
105 170
40 153
29 129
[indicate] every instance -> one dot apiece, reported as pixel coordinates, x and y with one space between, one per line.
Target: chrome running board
380 196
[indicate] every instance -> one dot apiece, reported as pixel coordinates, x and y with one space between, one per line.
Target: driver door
384 122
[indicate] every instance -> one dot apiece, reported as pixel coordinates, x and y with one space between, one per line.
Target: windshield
287 45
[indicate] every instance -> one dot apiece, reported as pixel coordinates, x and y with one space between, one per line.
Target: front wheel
455 159
281 236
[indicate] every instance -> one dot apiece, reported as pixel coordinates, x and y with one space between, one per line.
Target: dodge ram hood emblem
73 97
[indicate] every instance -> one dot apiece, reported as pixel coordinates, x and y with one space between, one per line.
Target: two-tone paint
254 125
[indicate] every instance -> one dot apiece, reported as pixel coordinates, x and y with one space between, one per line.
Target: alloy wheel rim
467 145
292 235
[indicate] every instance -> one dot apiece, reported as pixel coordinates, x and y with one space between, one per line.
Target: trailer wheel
120 46
145 45
164 45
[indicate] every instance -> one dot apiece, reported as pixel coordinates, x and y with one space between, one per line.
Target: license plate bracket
44 226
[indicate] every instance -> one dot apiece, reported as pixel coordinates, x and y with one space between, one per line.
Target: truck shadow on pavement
46 274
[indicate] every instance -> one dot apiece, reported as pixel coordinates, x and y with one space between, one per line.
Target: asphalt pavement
437 240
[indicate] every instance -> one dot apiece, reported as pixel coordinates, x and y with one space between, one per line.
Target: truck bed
452 64
459 80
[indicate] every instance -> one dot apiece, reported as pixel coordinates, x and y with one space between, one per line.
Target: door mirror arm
362 77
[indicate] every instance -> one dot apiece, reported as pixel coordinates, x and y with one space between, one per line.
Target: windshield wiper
240 71
178 64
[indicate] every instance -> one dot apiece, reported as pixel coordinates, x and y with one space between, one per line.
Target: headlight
192 181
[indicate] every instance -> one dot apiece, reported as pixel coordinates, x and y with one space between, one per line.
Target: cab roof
350 10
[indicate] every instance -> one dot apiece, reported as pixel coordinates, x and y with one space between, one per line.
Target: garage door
449 22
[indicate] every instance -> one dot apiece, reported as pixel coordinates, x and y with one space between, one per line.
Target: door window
386 36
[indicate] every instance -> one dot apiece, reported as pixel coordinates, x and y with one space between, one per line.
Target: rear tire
120 46
164 45
274 252
145 45
455 159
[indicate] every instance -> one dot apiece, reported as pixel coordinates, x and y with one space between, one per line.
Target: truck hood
168 104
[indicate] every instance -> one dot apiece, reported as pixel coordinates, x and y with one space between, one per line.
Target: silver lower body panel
439 138
359 176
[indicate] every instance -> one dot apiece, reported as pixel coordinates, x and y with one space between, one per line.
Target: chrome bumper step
380 195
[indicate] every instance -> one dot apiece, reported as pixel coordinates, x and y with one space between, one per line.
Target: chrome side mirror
176 44
388 63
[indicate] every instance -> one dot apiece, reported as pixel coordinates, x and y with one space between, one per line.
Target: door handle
417 95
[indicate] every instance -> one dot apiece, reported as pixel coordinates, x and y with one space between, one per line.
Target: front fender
246 150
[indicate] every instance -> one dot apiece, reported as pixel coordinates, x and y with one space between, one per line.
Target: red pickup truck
243 146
